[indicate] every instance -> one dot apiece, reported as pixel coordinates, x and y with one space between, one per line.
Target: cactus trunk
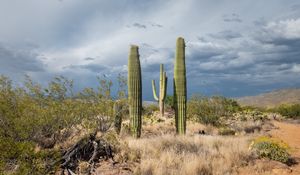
162 90
135 91
180 87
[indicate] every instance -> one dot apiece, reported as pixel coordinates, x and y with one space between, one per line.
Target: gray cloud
152 68
254 50
144 26
156 25
90 67
89 59
204 51
267 57
13 60
138 25
260 22
295 7
232 18
226 34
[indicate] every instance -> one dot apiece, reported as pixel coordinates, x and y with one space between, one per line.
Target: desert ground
160 151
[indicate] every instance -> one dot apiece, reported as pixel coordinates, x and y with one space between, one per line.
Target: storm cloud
232 48
18 62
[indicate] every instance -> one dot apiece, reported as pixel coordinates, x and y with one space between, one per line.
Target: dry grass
169 154
168 127
248 126
157 129
161 152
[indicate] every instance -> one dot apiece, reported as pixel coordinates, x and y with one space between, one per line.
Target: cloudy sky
234 48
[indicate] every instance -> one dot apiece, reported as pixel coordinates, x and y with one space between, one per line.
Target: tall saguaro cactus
135 91
162 90
180 87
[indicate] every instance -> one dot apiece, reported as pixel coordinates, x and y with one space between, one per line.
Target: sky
233 48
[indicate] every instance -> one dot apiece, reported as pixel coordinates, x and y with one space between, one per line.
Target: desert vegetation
288 110
33 118
39 124
53 130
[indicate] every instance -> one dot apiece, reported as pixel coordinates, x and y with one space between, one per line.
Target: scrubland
38 125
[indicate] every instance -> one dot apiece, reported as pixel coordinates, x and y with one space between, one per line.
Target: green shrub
24 157
273 149
289 111
209 110
249 114
29 114
253 108
169 101
226 131
149 109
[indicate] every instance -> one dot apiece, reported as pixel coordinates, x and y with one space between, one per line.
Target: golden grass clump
169 154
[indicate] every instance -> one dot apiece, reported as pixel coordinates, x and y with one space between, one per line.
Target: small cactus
135 91
180 87
117 117
162 90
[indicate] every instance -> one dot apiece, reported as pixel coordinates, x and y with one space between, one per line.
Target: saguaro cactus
180 87
135 91
162 89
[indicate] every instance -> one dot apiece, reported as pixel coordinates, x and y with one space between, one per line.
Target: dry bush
195 127
169 154
156 129
167 127
226 131
248 126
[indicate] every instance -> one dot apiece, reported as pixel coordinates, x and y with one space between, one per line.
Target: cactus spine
180 87
162 89
135 91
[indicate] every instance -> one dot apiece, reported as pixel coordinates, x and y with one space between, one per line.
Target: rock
201 132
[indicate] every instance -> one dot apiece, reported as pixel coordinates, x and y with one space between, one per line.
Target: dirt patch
108 168
289 133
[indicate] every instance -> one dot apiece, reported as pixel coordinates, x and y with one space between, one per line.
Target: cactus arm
164 86
154 91
161 80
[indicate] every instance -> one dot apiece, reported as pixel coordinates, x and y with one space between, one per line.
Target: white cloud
296 68
289 29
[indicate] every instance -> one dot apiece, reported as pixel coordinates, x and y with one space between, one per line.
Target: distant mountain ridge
272 99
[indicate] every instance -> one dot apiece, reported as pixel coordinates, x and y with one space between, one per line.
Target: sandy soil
289 133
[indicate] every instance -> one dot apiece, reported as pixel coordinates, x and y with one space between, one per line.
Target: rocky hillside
271 99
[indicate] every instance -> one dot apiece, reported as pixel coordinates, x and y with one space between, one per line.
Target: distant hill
272 99
147 103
